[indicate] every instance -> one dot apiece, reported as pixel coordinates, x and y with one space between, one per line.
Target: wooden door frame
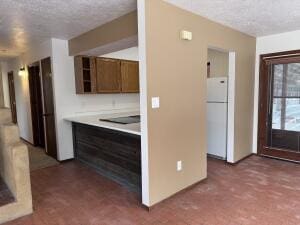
45 114
13 105
262 148
38 136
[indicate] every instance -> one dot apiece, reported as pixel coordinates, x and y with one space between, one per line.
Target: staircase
15 188
6 196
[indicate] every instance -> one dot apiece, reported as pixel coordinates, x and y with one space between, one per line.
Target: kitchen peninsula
111 144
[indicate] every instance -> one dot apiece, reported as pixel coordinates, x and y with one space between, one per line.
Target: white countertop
94 120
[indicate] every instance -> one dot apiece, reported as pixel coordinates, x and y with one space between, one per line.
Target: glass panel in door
284 107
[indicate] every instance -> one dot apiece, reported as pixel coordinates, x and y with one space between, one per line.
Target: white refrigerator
217 102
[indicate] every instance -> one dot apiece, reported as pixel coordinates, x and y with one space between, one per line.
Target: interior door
48 108
36 105
12 96
279 117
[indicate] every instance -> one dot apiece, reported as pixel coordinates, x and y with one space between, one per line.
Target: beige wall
122 28
176 72
219 63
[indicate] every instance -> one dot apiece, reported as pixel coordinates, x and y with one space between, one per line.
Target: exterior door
279 117
12 96
48 108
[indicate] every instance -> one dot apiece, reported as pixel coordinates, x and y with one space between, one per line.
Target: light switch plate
179 165
155 102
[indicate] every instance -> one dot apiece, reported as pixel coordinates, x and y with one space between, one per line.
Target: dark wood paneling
130 76
114 154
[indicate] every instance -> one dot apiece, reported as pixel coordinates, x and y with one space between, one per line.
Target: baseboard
150 208
27 141
242 159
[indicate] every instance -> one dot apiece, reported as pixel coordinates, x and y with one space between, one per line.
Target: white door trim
231 107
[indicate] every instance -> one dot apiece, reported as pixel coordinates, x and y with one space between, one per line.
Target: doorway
279 108
217 102
42 106
12 96
221 72
35 90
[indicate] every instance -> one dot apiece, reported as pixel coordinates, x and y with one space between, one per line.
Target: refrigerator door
217 89
217 129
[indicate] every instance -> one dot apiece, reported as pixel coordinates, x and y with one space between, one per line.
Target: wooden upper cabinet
108 75
85 74
105 75
129 76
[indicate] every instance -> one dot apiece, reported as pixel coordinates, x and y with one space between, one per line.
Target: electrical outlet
179 165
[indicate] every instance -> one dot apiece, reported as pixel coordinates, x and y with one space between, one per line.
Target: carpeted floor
38 158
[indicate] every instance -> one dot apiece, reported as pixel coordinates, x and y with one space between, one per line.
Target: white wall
4 71
270 44
129 54
22 86
68 104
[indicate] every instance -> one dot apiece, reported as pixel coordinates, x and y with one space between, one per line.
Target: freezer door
217 129
217 89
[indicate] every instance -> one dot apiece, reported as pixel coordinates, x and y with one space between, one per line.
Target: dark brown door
108 75
36 105
279 112
48 108
12 96
130 76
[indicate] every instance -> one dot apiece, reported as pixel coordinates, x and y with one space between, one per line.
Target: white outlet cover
155 102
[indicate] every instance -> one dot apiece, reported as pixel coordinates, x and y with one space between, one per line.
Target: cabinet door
130 76
108 75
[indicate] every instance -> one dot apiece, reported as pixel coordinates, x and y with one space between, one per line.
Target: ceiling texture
24 23
254 17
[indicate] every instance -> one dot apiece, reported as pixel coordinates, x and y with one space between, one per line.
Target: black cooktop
124 120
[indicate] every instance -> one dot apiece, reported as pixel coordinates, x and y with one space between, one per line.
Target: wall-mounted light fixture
186 35
22 71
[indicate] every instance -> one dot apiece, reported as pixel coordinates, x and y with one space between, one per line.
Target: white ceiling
254 17
24 23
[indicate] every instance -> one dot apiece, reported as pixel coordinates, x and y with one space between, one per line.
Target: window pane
293 80
287 118
278 75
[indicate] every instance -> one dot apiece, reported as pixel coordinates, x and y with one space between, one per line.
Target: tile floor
257 191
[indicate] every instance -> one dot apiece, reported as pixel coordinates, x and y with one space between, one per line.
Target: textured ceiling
24 23
254 17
